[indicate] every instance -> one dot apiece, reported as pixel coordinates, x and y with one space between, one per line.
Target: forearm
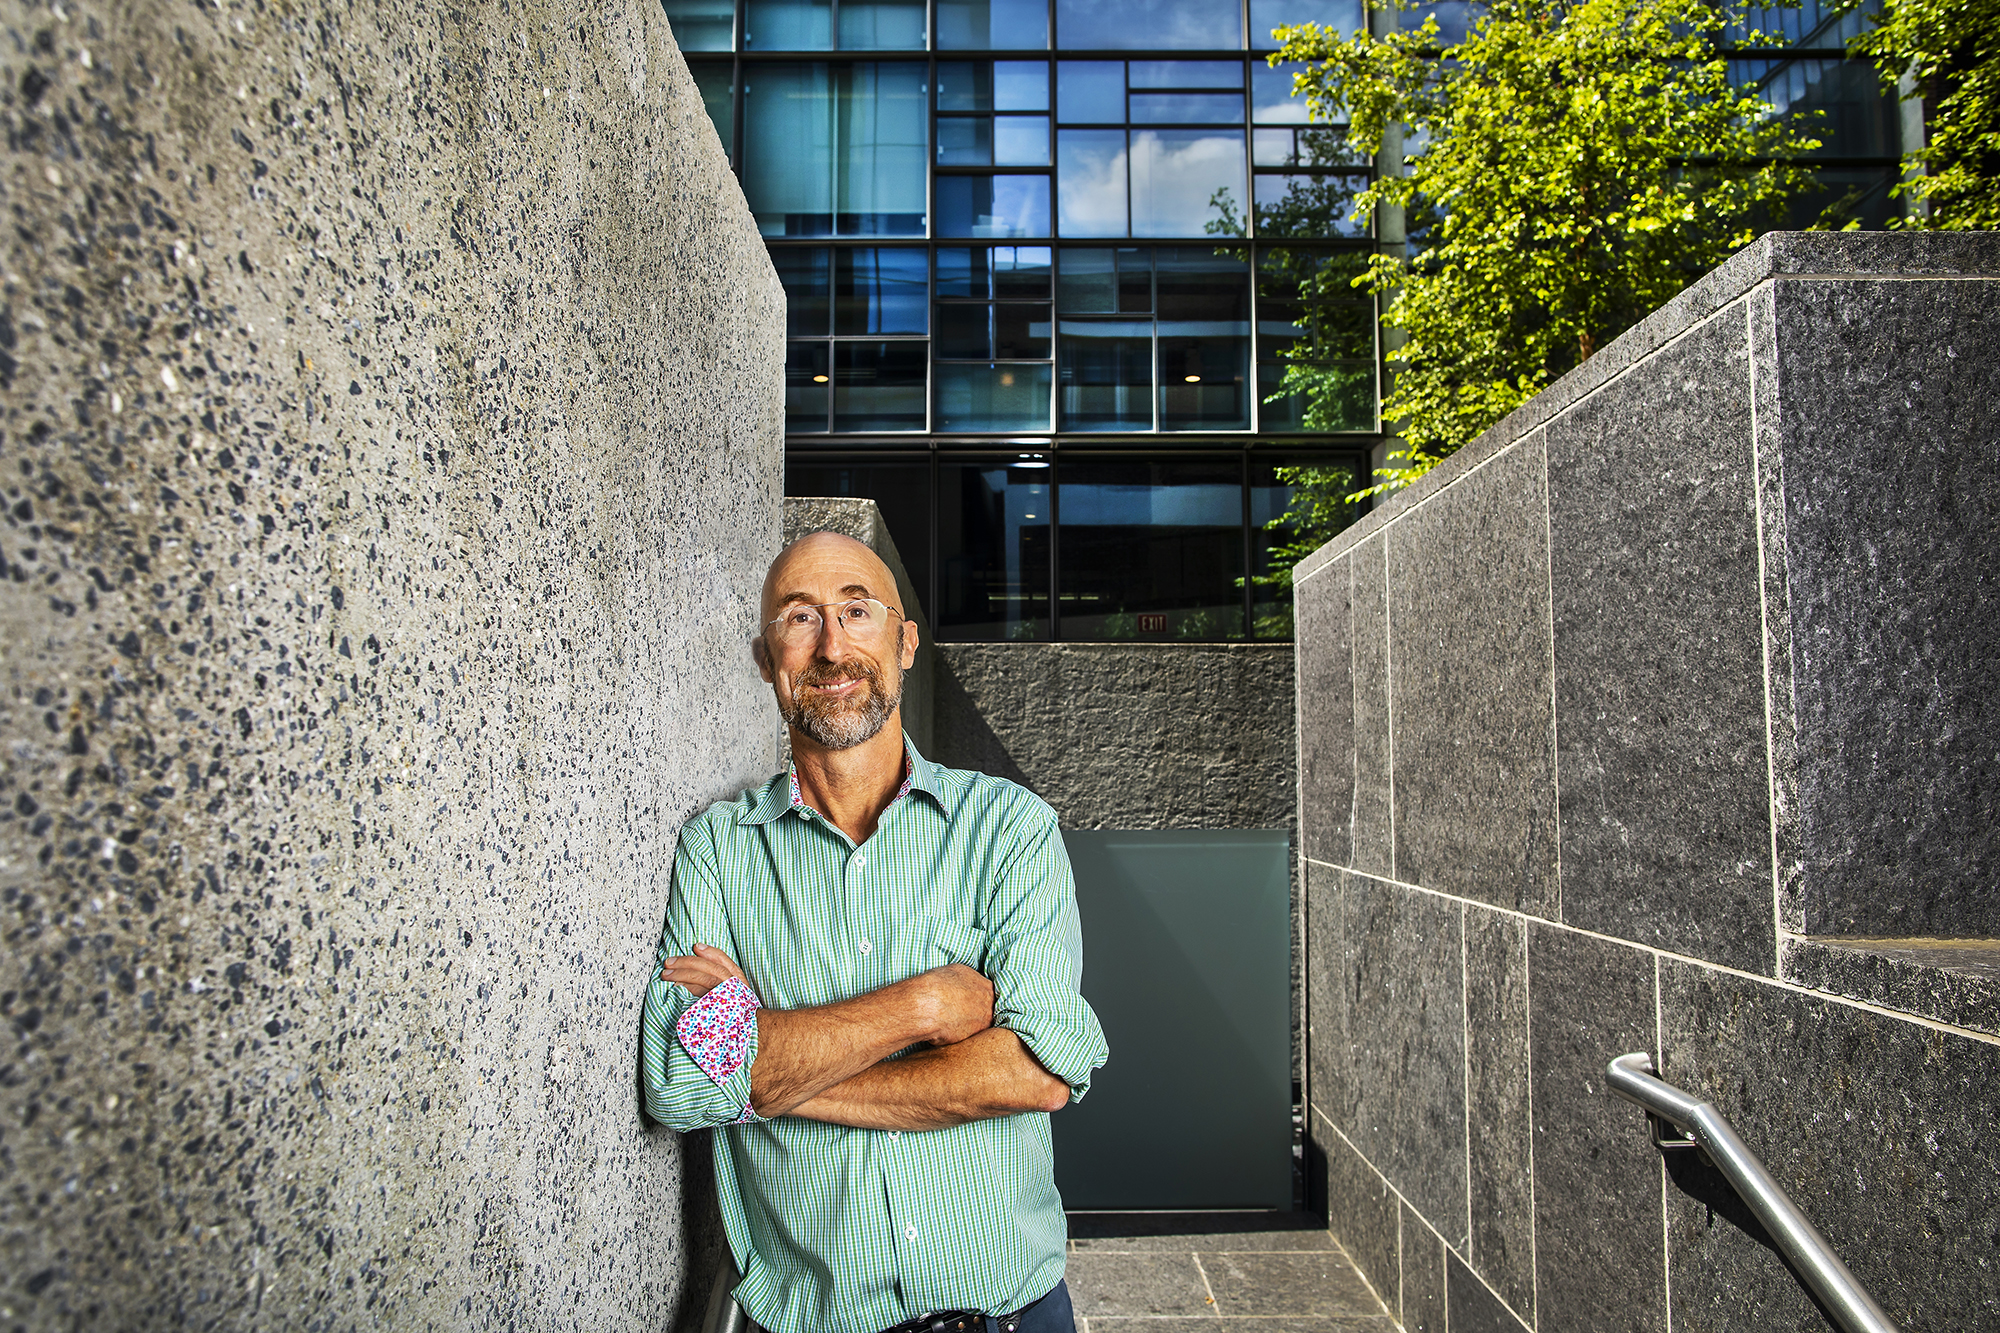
983 1077
802 1052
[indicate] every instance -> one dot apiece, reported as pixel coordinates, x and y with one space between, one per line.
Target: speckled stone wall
1127 736
390 434
1662 718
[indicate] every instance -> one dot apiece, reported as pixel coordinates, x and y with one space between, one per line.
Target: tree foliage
1575 164
1951 50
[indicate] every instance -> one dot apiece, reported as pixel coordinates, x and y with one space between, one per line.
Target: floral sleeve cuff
716 1031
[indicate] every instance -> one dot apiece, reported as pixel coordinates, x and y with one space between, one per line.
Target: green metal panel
1187 960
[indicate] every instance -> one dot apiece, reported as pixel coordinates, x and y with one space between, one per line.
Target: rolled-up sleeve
1035 953
680 1092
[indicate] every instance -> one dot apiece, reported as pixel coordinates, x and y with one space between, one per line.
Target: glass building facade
1044 261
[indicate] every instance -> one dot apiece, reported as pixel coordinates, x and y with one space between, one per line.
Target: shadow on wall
972 742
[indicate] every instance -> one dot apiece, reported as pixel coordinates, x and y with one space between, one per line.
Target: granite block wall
1663 718
390 436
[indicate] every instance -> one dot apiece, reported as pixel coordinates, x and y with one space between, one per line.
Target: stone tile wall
390 438
1663 718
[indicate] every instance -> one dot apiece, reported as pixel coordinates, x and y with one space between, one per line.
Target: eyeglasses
864 619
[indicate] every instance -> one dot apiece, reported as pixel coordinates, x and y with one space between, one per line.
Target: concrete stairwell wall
1664 718
390 437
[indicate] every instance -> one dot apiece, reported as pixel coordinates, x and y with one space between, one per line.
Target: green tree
1576 163
1950 49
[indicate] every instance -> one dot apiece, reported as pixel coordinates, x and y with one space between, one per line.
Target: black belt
963 1321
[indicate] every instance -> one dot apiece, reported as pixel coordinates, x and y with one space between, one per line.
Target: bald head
825 567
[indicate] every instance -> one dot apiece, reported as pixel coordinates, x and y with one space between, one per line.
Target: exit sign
1152 622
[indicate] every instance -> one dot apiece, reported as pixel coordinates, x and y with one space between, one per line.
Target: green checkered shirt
840 1230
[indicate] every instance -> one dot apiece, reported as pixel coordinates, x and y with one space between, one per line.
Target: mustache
828 673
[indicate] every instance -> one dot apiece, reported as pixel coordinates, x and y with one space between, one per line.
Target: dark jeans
1050 1314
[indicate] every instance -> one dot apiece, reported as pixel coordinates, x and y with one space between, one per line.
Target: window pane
1021 141
788 148
716 82
1812 25
1855 117
880 291
807 379
1090 91
882 25
992 25
1204 324
1022 331
1344 394
805 272
1315 289
1187 74
1021 270
902 491
1090 182
1270 498
965 85
882 147
1160 25
878 386
1318 147
1187 183
1310 205
993 552
993 397
1135 281
964 331
1187 108
1342 16
702 25
1271 97
993 205
1089 282
1164 540
1020 85
961 271
965 141
1454 18
788 25
1107 374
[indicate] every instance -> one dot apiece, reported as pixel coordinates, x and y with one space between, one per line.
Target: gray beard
838 725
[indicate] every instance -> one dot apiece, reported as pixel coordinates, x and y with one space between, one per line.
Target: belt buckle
946 1321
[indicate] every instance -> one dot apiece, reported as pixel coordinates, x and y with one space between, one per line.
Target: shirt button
909 1233
895 1133
860 861
866 947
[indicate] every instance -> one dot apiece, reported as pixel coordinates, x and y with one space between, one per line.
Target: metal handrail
724 1315
1818 1267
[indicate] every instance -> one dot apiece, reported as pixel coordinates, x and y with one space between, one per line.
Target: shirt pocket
953 943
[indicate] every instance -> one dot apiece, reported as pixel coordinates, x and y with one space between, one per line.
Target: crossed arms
830 1062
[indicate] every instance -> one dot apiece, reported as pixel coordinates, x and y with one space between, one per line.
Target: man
868 984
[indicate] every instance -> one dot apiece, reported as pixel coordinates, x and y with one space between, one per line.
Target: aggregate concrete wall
1663 718
391 446
1127 736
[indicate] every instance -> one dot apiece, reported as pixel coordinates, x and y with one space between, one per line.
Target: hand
704 970
961 1000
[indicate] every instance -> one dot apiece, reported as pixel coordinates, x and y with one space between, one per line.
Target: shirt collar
781 794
